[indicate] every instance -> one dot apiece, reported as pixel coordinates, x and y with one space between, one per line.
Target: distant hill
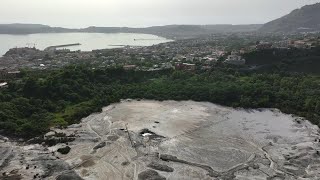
30 29
306 19
185 31
170 31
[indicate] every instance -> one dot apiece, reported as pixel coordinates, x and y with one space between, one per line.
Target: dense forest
42 99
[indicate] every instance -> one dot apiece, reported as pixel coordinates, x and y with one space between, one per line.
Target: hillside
286 60
30 29
306 19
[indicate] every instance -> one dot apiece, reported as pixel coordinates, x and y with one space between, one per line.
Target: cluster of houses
305 43
235 59
7 75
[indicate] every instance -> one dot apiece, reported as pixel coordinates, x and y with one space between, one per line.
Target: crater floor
173 140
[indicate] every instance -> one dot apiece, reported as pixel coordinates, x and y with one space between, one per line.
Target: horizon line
84 27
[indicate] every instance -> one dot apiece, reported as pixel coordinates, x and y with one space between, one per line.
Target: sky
142 13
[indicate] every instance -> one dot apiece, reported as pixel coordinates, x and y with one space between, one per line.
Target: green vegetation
42 99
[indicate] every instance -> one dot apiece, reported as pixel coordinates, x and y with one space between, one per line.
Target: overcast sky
140 13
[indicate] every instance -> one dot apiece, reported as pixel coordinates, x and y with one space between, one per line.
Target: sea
87 41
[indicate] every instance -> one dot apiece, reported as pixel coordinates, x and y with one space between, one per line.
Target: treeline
42 99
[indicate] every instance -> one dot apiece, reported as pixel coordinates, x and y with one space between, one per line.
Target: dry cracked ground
151 140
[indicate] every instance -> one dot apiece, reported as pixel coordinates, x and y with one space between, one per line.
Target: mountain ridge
169 31
305 19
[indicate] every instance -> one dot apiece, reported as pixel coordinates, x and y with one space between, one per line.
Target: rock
151 135
51 141
150 175
11 177
276 177
126 163
69 176
160 167
99 146
50 134
64 150
35 176
255 166
166 157
4 139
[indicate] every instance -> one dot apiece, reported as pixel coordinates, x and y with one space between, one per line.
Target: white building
3 85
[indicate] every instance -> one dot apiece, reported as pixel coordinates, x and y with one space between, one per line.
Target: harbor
76 41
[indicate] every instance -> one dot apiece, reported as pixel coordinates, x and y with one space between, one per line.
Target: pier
122 45
50 48
147 39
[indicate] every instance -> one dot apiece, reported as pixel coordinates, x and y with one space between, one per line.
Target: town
190 54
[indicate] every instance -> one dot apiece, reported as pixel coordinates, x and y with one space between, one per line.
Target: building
300 44
263 45
129 67
185 66
235 60
166 65
282 44
4 75
3 85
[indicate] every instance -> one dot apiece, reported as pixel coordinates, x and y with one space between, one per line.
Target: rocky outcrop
150 175
64 150
69 176
160 167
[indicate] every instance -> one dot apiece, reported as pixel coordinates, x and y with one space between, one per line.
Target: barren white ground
197 140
